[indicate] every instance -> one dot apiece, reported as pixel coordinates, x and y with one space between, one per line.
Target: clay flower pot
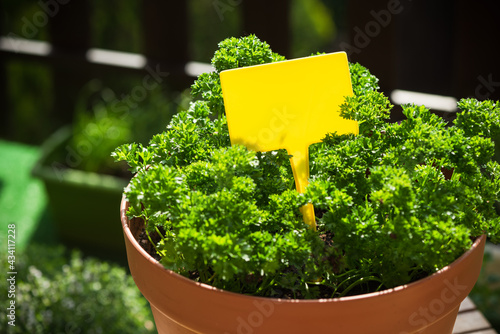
180 305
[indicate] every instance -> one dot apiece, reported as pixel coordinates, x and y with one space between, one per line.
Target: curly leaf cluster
393 204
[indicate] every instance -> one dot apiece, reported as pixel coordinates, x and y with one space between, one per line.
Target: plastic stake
288 105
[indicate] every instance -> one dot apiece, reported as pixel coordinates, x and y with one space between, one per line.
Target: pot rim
125 225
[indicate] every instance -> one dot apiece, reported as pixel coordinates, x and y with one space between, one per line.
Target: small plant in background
111 122
393 204
57 294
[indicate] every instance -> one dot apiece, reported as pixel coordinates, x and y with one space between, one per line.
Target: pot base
180 305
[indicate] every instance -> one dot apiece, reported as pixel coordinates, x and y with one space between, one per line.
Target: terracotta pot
181 305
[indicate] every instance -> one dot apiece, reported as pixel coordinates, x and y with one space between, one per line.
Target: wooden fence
440 47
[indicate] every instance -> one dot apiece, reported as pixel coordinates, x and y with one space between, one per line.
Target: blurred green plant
312 27
109 122
61 293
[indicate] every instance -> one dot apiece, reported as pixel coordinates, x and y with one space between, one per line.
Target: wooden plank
467 305
469 322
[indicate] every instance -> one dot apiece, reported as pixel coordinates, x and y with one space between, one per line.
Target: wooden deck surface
471 321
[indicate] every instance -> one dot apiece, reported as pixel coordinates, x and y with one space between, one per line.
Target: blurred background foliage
58 291
116 25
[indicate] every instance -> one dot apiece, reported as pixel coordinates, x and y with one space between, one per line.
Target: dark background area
440 47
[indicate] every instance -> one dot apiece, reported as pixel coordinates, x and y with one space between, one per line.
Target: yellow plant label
288 105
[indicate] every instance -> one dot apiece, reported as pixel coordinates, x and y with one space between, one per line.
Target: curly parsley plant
393 204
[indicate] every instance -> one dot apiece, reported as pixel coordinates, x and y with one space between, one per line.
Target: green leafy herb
395 203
